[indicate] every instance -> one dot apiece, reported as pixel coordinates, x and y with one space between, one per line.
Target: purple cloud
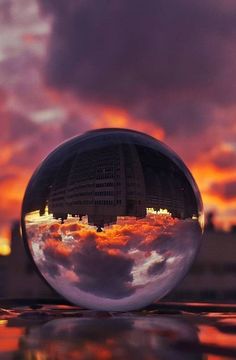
168 62
101 273
226 190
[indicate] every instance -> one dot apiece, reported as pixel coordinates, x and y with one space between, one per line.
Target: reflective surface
112 219
165 332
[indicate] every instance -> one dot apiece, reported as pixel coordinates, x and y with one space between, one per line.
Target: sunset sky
165 67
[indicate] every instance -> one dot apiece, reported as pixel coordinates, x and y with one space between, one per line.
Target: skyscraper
102 185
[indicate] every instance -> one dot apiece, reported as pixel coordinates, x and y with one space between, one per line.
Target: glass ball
112 219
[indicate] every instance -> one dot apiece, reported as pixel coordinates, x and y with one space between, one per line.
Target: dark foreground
40 331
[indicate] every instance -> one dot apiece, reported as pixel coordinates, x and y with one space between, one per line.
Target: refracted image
112 219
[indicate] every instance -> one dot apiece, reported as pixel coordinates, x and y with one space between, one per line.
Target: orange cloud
210 178
60 248
118 235
114 117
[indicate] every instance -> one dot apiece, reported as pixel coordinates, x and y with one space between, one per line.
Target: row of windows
92 202
92 185
85 177
91 193
107 169
99 193
101 163
106 193
86 193
108 184
108 176
107 202
96 202
82 202
80 186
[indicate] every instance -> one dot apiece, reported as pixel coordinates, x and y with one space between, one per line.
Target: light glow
151 211
5 248
3 322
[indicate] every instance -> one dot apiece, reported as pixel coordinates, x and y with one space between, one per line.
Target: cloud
52 269
156 268
168 62
224 159
24 143
18 127
162 243
226 190
55 251
6 177
117 262
102 273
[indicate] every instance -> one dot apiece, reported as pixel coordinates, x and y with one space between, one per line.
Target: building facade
101 185
213 274
20 277
119 180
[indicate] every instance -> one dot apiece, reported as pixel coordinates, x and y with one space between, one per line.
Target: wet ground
44 331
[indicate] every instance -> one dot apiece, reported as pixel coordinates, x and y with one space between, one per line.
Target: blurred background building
19 278
101 184
213 274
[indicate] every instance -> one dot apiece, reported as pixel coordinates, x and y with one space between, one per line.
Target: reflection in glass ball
112 219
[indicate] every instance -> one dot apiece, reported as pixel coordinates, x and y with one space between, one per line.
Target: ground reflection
67 332
118 338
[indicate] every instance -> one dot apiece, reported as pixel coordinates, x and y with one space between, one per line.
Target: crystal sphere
112 219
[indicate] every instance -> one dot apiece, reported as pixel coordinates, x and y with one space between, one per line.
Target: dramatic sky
165 67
